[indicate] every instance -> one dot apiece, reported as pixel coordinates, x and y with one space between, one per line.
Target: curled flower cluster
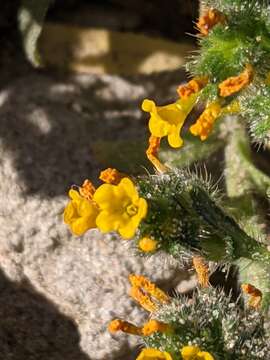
208 326
234 51
175 212
231 60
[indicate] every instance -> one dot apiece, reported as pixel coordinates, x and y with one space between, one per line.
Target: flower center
131 210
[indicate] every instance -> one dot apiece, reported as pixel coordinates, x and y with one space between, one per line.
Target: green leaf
192 151
30 17
243 182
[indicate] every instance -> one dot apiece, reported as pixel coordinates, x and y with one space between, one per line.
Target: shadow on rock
31 327
51 127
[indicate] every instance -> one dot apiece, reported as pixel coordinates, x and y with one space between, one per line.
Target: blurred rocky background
160 20
59 124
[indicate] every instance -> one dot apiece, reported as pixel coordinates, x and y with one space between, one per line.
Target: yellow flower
195 353
168 120
147 244
153 354
80 214
121 208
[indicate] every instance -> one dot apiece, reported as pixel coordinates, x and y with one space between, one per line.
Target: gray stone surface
58 292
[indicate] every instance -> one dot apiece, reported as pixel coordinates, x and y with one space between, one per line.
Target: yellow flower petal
135 221
121 209
86 208
105 196
148 105
142 208
127 231
80 214
107 222
189 352
74 195
80 226
69 213
174 138
195 353
127 185
172 114
158 127
204 355
153 354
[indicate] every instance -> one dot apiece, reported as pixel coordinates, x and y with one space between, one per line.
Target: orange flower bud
255 295
192 87
152 151
111 176
208 20
202 270
154 326
205 122
143 299
236 83
125 326
87 190
142 282
148 244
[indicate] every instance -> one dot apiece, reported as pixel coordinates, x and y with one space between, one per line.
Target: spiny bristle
213 322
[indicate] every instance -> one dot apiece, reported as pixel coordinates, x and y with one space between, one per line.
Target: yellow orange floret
208 20
192 87
202 270
255 295
121 325
144 283
148 244
234 84
205 122
153 326
143 299
111 176
87 190
154 145
152 151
